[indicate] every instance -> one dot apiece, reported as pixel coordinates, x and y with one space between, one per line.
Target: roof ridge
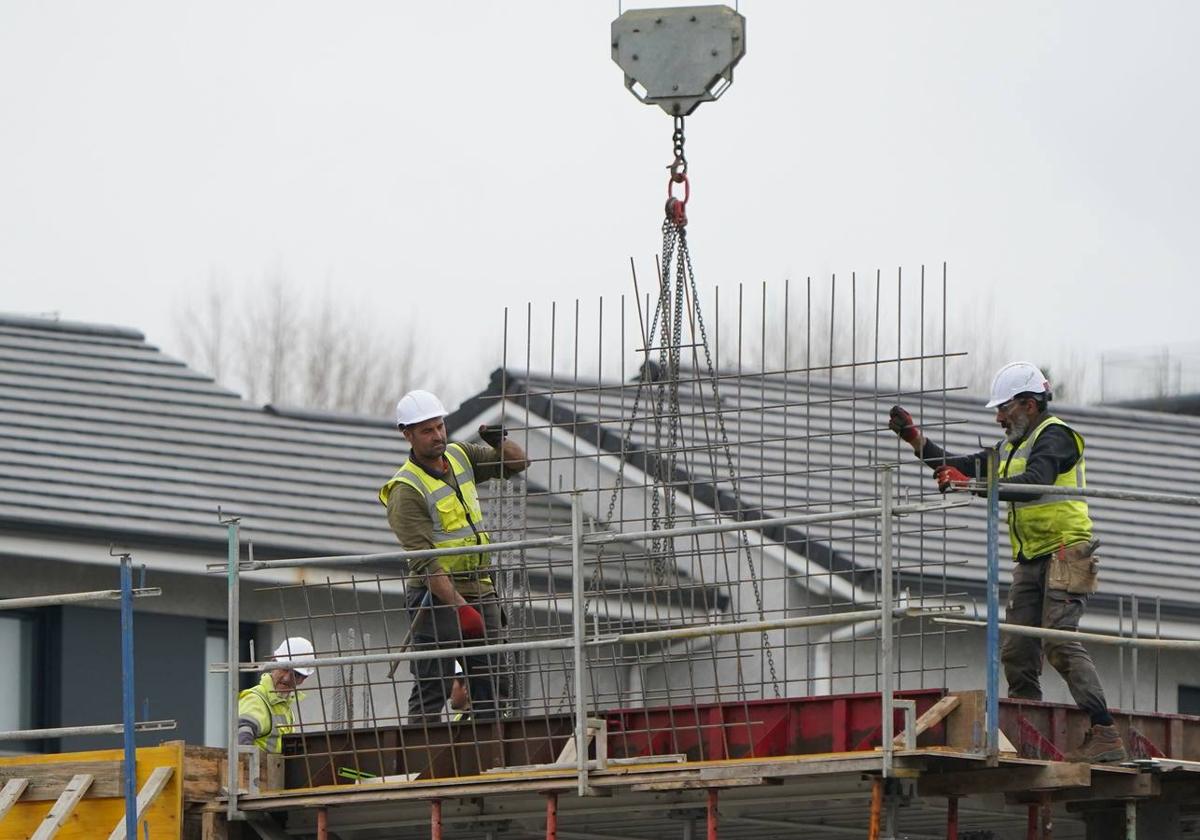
54 324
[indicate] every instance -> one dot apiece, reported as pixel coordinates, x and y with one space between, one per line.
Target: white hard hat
417 407
1018 378
296 647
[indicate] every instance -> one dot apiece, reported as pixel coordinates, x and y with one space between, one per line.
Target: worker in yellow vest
433 502
266 712
1053 548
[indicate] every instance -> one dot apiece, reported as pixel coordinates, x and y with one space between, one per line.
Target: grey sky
438 159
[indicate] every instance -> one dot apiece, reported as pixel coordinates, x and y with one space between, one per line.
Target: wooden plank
63 807
1103 786
1003 779
13 789
149 792
932 717
46 781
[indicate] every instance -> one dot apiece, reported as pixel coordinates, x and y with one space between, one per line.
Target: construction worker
432 502
1052 543
458 706
266 711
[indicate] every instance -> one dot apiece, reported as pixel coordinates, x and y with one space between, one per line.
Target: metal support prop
887 621
1131 819
993 607
578 629
322 824
435 819
952 818
876 808
232 651
127 700
552 816
1047 813
712 814
1031 822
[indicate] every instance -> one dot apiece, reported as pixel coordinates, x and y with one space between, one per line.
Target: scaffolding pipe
888 622
563 643
1089 492
578 630
597 539
232 652
96 729
127 697
1080 636
74 598
992 698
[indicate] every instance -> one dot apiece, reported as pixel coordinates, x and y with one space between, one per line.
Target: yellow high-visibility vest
270 711
1040 526
457 518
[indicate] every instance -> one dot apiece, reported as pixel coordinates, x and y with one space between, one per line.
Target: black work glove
493 436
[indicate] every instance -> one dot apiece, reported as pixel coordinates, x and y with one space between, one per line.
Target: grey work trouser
1030 604
436 626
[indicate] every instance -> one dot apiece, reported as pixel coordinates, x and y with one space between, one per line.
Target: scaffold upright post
993 606
578 628
232 655
886 617
127 698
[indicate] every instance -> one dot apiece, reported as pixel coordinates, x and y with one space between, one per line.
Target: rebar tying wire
673 285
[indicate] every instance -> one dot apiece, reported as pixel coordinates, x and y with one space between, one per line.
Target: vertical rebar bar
127 696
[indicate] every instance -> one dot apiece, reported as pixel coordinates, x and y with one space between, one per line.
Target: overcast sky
435 160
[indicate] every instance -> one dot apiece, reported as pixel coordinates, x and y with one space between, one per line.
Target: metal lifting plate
678 58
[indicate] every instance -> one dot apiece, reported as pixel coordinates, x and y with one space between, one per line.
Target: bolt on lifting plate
678 58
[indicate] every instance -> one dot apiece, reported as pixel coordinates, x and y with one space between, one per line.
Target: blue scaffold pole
127 696
993 607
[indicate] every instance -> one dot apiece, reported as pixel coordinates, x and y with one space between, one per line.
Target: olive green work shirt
409 518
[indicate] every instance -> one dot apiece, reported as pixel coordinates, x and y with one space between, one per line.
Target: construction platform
799 767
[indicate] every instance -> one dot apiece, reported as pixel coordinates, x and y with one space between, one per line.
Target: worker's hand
470 621
901 422
493 436
947 477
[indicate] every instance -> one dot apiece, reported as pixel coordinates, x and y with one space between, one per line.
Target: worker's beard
1018 427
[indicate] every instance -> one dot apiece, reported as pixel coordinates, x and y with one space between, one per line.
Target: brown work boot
1101 745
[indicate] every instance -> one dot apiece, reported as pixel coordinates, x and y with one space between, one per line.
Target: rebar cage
699 536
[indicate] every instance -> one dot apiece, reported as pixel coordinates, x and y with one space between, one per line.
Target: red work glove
947 477
470 622
901 422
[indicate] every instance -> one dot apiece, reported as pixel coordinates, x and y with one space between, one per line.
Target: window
1189 700
16 660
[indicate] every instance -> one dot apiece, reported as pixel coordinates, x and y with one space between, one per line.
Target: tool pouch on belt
1075 569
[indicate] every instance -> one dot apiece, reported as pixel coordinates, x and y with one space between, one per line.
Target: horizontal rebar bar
97 729
592 539
1080 635
563 642
74 598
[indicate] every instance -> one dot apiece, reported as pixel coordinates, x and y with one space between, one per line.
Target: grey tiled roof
799 445
103 435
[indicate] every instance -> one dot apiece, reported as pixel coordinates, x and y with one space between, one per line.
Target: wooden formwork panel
101 808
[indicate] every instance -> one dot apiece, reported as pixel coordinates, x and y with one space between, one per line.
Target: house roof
105 437
799 444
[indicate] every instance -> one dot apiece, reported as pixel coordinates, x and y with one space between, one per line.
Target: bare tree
267 342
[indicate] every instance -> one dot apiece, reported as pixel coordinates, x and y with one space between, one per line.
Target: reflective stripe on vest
1039 526
452 518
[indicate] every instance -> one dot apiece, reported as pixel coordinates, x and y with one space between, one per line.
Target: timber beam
1005 779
